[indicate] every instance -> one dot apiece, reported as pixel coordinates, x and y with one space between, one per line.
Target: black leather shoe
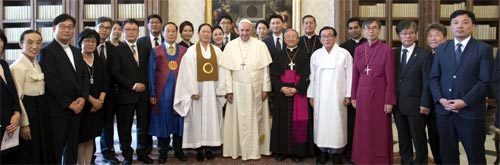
127 161
199 156
162 159
111 160
321 159
209 155
145 159
180 155
280 157
337 159
297 159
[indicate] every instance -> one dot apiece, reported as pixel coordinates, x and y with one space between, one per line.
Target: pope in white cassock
329 92
246 122
199 95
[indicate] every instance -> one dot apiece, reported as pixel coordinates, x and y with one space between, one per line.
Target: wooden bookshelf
424 12
19 15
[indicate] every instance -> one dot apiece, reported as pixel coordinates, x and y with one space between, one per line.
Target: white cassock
246 123
202 117
330 83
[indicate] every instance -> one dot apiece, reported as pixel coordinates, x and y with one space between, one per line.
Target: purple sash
300 109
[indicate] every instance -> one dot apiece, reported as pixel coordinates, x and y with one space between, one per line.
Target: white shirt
276 37
463 42
228 38
152 39
408 54
135 47
69 53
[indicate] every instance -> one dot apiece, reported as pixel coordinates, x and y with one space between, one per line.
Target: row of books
12 54
93 11
142 31
481 32
405 10
447 9
486 11
47 33
377 10
17 12
131 11
14 33
49 11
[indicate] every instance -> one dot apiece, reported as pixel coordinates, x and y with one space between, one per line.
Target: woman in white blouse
35 139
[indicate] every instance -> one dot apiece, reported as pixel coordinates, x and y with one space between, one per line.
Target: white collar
280 36
130 44
167 45
463 42
153 37
410 49
291 49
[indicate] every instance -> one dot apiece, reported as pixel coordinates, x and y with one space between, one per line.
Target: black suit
9 104
145 42
271 45
109 107
412 93
126 73
350 45
63 85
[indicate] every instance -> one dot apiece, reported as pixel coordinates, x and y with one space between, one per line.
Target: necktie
226 39
156 42
458 53
403 58
136 56
102 53
171 50
278 44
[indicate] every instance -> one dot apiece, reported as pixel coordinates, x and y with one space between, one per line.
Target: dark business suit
350 45
126 73
412 93
145 42
109 107
496 88
468 80
9 104
271 45
63 85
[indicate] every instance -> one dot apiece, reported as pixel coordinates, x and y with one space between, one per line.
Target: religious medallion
208 68
172 65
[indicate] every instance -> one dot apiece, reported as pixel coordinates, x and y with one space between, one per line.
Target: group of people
283 94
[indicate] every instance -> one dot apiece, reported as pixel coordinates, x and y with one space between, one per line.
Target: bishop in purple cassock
373 95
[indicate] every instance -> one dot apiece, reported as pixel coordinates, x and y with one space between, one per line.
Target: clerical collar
357 40
291 49
309 36
64 46
375 43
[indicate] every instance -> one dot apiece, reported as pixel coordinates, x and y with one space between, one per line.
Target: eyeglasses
371 28
64 27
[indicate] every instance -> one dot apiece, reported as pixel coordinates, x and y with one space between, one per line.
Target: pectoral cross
243 66
367 69
291 64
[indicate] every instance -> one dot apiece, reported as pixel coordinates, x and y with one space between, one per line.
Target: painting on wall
253 10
